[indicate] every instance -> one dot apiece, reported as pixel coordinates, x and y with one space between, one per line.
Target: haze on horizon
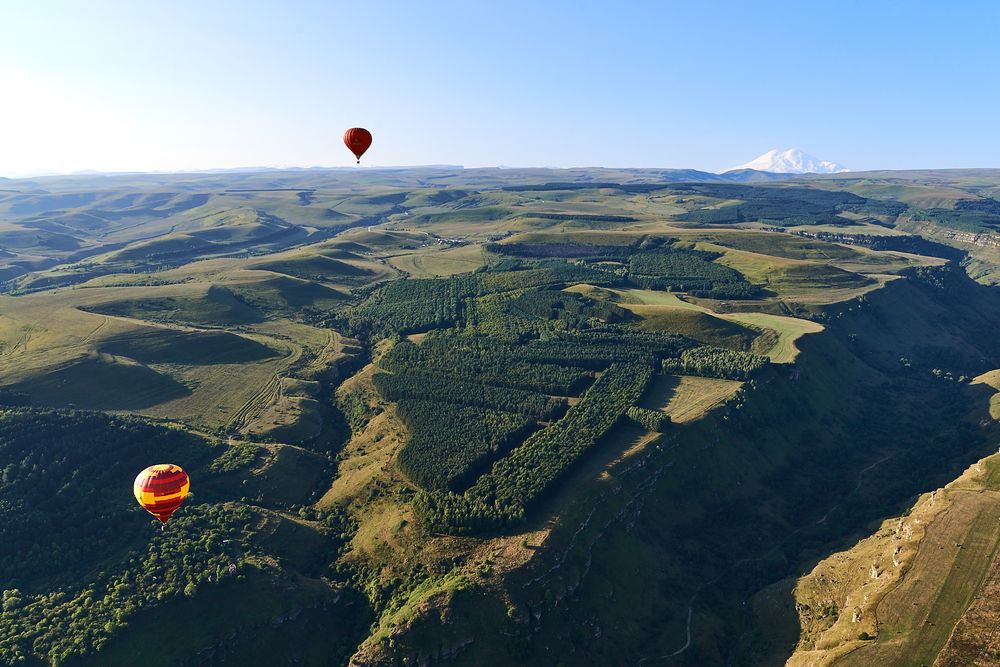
122 86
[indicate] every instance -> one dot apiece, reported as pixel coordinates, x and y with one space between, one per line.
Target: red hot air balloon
358 139
161 489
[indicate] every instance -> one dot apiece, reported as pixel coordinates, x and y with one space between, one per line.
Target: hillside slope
723 512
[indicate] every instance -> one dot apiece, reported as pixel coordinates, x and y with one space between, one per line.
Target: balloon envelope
161 489
358 139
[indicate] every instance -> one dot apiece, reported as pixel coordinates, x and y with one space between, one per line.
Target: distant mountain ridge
791 161
786 164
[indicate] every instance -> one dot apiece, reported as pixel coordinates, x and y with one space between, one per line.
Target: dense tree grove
414 385
680 264
716 362
80 559
591 349
62 479
624 343
574 310
66 510
582 352
652 420
432 381
653 263
525 314
466 400
500 497
538 274
965 219
202 547
566 250
407 306
521 298
785 206
708 290
690 271
449 445
513 343
414 305
469 358
237 456
884 207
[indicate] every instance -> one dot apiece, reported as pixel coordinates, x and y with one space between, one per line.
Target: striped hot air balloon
161 489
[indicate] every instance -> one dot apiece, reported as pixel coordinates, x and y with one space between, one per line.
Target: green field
162 350
434 261
407 398
686 398
992 379
665 307
700 326
789 330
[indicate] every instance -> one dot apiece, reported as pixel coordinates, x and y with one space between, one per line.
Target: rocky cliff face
979 240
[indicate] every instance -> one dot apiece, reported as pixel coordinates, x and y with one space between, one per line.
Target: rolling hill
492 416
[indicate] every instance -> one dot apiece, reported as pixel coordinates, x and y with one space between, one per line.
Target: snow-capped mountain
791 161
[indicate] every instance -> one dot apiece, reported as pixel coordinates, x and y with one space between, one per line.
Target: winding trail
90 336
744 561
687 640
857 486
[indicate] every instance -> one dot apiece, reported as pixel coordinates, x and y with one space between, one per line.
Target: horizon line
24 176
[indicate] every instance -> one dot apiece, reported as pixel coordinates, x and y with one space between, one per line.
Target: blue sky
140 85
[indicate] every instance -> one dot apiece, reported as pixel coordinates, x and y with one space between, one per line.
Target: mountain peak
791 161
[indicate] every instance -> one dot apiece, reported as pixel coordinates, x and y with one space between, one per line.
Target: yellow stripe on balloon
161 498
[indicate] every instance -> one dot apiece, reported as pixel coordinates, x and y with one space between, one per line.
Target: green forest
501 498
62 502
484 394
